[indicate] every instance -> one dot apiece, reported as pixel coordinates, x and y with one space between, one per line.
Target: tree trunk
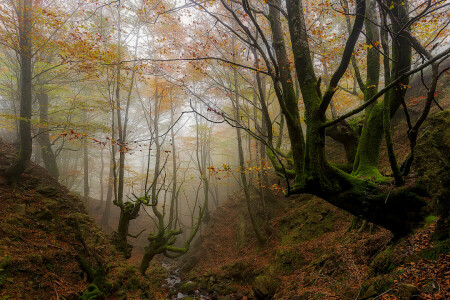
25 54
368 154
48 156
85 164
109 196
242 171
289 98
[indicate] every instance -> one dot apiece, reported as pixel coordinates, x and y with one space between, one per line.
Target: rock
50 203
46 190
188 287
45 215
431 288
376 286
20 209
189 264
432 164
407 291
264 287
92 292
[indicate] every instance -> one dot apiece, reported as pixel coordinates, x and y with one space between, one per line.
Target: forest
224 149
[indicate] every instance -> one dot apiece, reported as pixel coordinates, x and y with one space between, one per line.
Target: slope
51 249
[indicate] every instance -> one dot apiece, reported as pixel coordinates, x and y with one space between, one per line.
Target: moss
265 286
376 286
5 262
47 190
383 262
432 163
289 259
92 292
433 253
430 219
307 222
187 287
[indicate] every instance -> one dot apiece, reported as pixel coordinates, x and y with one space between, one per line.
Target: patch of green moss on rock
307 222
289 259
383 262
433 253
187 287
92 292
432 164
376 286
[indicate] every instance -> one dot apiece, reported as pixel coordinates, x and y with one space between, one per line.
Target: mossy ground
312 254
43 232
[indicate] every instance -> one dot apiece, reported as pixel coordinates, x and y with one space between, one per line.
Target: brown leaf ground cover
44 230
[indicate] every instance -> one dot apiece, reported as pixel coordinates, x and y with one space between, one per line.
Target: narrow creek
174 282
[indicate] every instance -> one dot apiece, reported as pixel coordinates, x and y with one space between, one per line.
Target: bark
367 157
373 55
174 170
129 211
25 54
242 171
109 196
85 165
289 97
47 154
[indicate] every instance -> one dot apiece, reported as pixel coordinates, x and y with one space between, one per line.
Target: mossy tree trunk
360 197
368 154
288 100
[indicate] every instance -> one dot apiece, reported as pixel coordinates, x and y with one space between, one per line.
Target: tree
25 17
360 192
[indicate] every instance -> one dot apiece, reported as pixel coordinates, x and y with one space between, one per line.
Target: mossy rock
92 292
266 285
384 263
289 259
51 204
433 253
238 271
5 262
189 263
20 209
187 287
432 164
376 286
314 218
45 215
407 291
47 190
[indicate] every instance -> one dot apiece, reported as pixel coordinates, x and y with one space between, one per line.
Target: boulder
407 291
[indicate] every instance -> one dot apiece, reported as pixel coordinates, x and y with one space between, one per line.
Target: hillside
51 249
316 251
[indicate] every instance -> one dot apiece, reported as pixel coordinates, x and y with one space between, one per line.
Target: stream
174 282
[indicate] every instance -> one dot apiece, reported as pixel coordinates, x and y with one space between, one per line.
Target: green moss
376 286
307 222
92 292
289 259
188 287
439 248
430 219
5 262
383 262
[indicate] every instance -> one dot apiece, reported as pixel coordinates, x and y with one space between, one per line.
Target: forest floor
313 254
44 234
